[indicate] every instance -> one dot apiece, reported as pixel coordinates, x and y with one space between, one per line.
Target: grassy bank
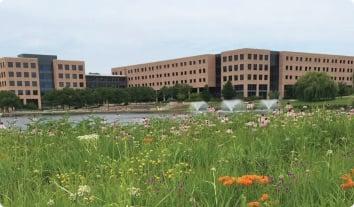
339 102
178 162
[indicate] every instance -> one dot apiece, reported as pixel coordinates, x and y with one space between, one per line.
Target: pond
23 121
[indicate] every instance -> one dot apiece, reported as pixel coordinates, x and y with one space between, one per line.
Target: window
249 77
236 67
260 57
255 67
265 77
11 74
242 67
35 92
60 66
67 76
230 78
265 67
28 92
250 56
255 57
260 77
74 76
230 58
236 57
19 83
82 84
224 59
254 77
242 56
75 85
230 68
266 57
73 67
61 84
25 65
67 84
236 78
225 78
33 65
249 67
241 77
67 67
27 83
34 75
18 74
81 76
10 64
12 83
20 92
26 74
34 83
61 75
18 64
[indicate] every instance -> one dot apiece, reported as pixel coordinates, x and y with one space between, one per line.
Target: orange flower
264 197
254 204
226 180
245 180
348 181
263 180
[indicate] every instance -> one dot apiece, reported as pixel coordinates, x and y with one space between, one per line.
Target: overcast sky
108 33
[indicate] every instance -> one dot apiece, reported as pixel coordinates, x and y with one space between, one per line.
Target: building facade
29 76
196 71
69 74
21 76
95 80
252 72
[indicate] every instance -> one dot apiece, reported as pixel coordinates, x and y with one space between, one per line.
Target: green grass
178 162
338 102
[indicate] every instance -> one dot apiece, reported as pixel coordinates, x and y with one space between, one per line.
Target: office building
252 72
21 76
96 80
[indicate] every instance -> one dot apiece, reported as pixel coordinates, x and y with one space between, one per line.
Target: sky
111 33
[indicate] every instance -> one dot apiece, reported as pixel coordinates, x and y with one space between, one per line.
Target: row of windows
26 92
18 65
73 76
242 77
23 83
116 73
173 65
324 69
290 77
318 60
201 80
242 67
24 74
201 71
68 84
251 87
231 58
72 67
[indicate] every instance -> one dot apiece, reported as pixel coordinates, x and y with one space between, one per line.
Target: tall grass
177 162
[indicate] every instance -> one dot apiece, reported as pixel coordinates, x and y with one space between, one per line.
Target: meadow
203 160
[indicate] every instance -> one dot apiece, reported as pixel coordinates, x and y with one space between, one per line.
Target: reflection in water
23 121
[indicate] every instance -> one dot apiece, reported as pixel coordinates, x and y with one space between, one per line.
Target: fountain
231 105
199 106
270 104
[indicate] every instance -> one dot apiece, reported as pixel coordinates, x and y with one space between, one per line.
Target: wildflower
90 137
329 152
213 169
264 197
254 204
50 202
348 181
148 140
229 131
83 190
134 191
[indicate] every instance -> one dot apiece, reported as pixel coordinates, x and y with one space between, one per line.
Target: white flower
134 191
50 202
83 190
229 131
213 169
329 152
90 137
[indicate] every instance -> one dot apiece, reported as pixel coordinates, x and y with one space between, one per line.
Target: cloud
111 33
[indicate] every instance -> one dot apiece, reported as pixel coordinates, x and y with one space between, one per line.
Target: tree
343 89
315 86
273 94
205 94
9 100
228 91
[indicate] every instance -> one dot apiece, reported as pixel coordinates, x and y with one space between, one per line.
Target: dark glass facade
46 74
106 81
274 71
